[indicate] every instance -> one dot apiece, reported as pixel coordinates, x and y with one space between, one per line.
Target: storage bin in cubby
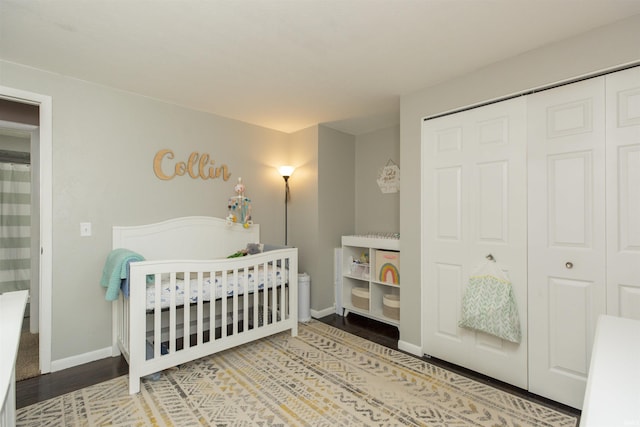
360 298
391 306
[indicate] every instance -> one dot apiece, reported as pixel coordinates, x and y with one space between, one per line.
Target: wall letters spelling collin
198 166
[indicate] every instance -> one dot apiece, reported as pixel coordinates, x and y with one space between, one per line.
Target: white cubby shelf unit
371 263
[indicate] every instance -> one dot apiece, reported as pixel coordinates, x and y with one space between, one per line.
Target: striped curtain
15 227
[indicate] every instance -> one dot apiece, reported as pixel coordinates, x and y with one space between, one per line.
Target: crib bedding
235 284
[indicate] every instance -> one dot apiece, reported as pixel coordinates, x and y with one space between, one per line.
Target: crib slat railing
157 315
212 306
245 298
172 314
281 289
274 291
124 325
293 294
285 291
234 312
265 296
255 296
277 285
199 310
223 309
186 311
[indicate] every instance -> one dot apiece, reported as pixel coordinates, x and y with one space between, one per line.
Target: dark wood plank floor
43 387
47 386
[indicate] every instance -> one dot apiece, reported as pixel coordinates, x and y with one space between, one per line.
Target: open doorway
39 246
19 258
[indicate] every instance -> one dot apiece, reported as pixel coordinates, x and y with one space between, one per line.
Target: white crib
188 300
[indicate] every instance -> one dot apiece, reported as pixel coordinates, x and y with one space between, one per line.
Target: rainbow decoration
389 273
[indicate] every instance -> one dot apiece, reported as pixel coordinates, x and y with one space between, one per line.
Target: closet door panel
623 193
628 300
444 269
496 220
448 272
569 178
566 236
570 323
493 208
448 295
628 196
474 204
449 204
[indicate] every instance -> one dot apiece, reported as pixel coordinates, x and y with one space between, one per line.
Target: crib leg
134 384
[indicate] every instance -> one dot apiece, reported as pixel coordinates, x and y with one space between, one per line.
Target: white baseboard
317 314
410 348
81 359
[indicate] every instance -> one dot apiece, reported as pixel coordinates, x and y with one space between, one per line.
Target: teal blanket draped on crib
115 271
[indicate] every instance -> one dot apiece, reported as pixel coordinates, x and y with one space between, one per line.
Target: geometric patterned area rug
323 377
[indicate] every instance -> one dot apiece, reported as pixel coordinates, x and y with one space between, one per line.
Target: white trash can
304 297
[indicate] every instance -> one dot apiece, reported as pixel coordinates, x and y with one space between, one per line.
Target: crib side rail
183 331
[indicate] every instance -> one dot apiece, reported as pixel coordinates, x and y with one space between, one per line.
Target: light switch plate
85 229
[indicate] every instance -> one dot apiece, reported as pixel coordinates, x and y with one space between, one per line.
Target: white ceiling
287 64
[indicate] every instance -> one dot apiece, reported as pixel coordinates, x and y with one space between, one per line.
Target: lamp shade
286 170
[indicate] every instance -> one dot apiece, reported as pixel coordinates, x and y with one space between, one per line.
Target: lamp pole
286 172
286 200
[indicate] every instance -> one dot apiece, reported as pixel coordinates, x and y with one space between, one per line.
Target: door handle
569 264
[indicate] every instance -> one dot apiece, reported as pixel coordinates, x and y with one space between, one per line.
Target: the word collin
197 166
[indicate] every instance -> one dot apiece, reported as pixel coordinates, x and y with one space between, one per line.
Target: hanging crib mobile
239 207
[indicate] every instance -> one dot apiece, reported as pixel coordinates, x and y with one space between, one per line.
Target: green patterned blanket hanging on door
489 304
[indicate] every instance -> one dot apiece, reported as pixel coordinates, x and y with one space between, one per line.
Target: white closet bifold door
566 188
474 204
623 193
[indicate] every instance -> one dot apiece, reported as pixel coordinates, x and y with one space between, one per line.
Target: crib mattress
235 284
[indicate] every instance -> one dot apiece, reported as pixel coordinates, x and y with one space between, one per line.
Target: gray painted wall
600 49
322 204
376 211
336 190
104 142
303 206
335 177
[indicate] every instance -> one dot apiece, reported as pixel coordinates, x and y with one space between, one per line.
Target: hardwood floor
43 387
47 386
